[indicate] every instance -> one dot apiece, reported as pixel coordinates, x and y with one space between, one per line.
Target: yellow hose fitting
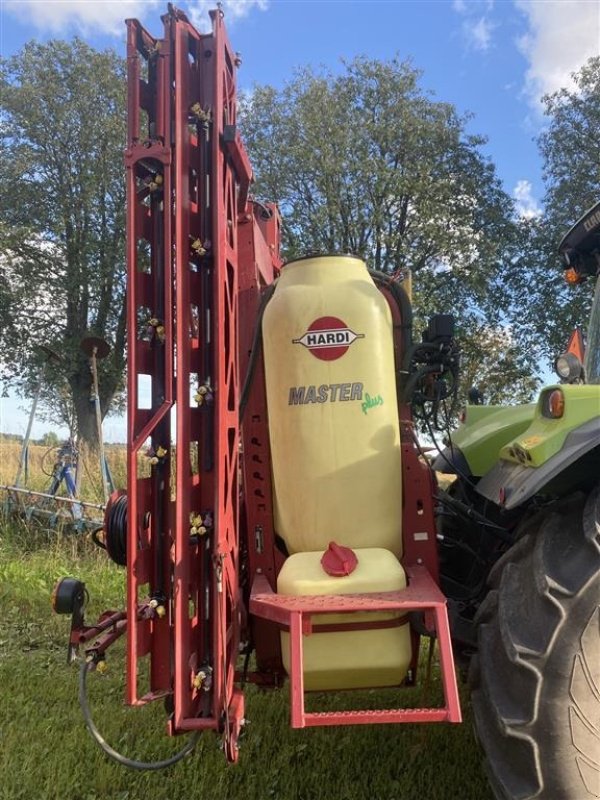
200 395
159 328
198 247
201 115
198 679
155 184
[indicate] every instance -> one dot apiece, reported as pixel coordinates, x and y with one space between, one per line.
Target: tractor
520 563
280 521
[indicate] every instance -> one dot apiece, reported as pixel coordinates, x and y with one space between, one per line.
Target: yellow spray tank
333 415
336 459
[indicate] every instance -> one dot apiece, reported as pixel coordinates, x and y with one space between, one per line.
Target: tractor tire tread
545 583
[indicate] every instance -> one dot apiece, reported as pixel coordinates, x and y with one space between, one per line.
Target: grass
47 754
41 461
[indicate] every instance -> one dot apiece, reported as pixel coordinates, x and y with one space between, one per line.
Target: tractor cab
580 250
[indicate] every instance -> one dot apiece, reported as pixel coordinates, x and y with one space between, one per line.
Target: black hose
255 348
468 512
115 531
96 539
110 752
402 301
413 380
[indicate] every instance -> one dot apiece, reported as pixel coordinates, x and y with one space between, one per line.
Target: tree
50 439
542 308
62 205
570 147
502 357
366 162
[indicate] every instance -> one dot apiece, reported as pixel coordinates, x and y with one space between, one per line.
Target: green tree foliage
367 162
504 357
542 308
570 147
62 209
50 439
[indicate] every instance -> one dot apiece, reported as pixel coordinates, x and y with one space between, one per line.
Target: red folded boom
196 530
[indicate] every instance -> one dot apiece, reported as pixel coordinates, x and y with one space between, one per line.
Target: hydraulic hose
115 531
111 752
470 513
402 301
255 348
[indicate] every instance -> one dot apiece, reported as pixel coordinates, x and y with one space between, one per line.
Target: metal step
296 612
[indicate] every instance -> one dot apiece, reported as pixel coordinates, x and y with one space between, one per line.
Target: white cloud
84 16
108 16
526 205
477 27
562 35
479 33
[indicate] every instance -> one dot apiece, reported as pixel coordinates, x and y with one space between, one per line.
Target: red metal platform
295 612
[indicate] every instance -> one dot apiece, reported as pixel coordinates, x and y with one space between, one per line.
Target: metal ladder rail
149 213
206 207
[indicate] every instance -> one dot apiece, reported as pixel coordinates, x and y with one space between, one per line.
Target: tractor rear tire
535 682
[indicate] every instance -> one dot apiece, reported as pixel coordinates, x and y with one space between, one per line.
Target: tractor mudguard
509 484
452 461
476 443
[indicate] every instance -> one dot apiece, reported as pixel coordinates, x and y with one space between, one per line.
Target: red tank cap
338 561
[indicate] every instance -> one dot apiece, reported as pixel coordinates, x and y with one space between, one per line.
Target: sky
493 59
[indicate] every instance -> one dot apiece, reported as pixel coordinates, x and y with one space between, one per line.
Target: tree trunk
85 413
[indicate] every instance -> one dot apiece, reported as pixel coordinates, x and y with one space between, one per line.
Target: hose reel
115 529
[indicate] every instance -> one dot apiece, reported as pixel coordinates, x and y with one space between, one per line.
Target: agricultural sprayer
294 519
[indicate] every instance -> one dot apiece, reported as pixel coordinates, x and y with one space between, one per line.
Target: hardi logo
328 338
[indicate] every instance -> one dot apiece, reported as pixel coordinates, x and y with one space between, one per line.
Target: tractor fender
452 461
508 485
477 441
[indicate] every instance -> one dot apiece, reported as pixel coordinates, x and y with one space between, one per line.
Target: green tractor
519 538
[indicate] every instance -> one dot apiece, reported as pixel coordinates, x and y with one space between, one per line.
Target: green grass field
46 753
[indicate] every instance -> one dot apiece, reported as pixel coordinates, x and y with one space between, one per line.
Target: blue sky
492 58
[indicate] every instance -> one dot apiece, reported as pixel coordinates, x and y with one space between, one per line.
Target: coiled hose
110 751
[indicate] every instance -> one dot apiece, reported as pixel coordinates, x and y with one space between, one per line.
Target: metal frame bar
148 152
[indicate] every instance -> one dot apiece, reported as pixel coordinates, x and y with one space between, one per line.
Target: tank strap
337 627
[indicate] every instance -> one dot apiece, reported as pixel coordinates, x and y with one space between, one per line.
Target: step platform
296 613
